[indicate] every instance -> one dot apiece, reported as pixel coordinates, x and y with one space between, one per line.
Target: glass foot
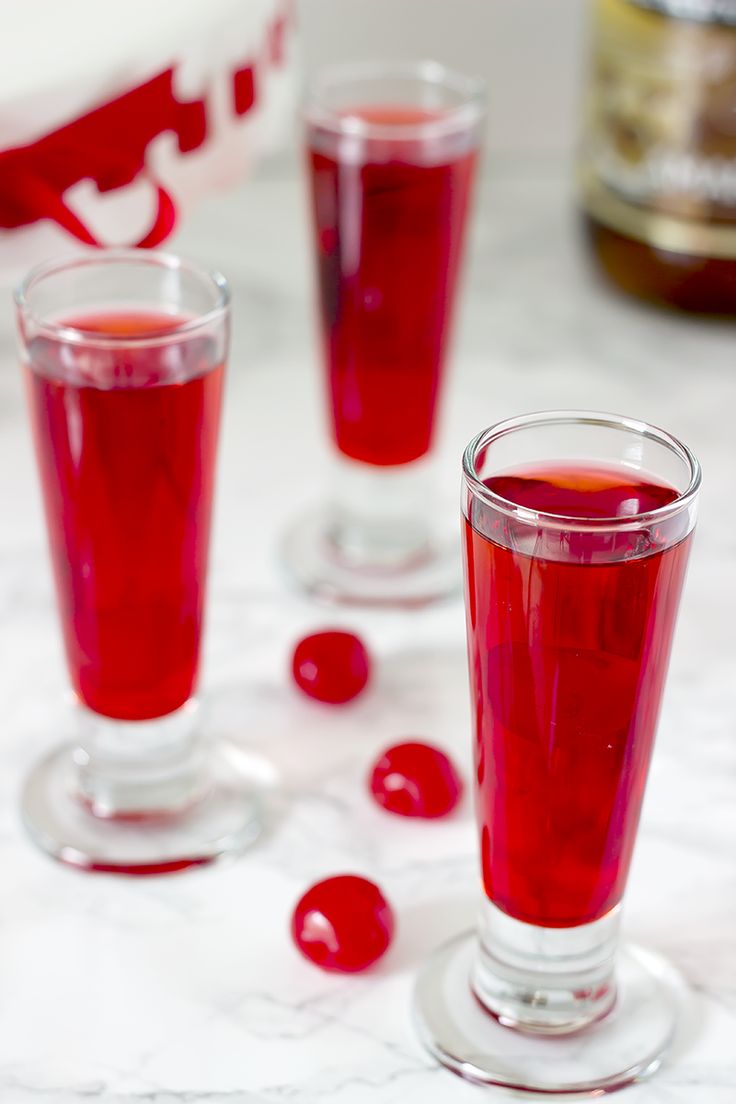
223 821
626 1045
315 561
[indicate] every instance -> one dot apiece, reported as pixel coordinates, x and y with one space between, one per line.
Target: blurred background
530 55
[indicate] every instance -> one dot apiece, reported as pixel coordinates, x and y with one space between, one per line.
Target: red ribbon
108 145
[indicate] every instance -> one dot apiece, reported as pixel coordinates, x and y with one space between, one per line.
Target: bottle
658 157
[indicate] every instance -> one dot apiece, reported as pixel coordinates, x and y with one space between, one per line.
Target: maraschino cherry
331 666
416 780
343 924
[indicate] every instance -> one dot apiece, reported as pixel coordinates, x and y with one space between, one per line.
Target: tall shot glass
577 533
392 152
124 355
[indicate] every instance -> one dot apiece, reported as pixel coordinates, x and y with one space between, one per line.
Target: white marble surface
186 988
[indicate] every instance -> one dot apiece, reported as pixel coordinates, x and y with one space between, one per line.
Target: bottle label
659 155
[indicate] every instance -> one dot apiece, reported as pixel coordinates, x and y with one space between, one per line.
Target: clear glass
391 156
570 621
123 354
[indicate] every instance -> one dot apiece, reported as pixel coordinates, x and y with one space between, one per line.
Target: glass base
626 1045
223 820
315 561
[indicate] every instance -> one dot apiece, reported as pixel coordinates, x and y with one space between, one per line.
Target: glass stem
546 980
378 515
136 769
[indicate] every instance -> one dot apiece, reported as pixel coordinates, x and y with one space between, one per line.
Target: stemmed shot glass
577 533
124 355
392 152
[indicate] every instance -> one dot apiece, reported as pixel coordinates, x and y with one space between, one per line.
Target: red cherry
343 923
331 666
416 780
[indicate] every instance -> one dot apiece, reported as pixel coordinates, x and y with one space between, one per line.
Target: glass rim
463 115
60 331
547 520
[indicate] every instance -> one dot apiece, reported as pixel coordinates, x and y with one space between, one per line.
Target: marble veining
187 990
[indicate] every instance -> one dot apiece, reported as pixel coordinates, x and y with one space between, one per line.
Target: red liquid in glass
389 218
568 657
126 440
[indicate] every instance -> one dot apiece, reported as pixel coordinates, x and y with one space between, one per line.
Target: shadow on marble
429 685
423 927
